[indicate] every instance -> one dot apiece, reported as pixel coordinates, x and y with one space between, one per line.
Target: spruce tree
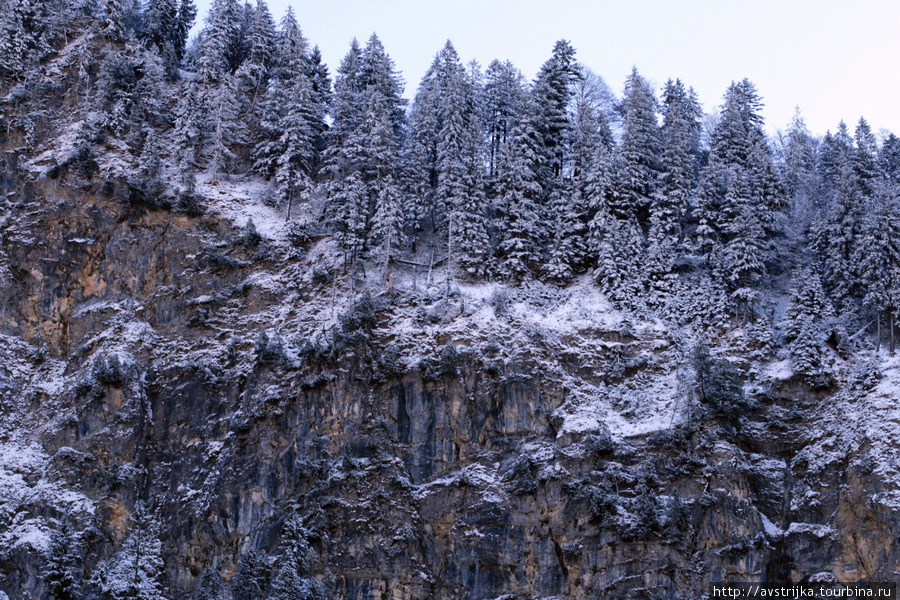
641 148
519 198
62 571
294 579
681 139
878 259
136 571
251 581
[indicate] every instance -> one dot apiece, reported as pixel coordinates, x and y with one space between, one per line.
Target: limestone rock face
569 461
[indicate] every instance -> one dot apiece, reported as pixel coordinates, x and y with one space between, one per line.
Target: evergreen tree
254 71
641 149
294 580
362 158
136 571
190 126
211 586
739 156
519 196
803 322
865 159
553 91
889 159
837 238
502 105
878 258
62 570
220 41
745 251
226 129
799 163
251 581
681 139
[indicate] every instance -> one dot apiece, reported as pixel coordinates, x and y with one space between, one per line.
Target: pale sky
834 59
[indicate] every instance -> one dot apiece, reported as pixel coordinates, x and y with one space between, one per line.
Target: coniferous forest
601 299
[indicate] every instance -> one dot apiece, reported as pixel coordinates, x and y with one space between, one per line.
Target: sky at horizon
836 60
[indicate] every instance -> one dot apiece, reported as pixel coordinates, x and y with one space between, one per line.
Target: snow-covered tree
62 571
681 139
552 91
641 148
251 581
519 199
803 323
878 259
294 578
136 571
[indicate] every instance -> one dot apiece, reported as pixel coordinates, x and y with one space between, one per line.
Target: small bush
298 234
600 445
189 204
449 362
251 237
109 371
522 478
321 276
83 160
269 351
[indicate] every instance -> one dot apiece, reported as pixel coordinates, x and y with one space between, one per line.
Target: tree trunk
878 332
891 320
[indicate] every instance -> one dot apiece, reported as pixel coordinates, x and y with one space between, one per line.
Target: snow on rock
813 529
24 484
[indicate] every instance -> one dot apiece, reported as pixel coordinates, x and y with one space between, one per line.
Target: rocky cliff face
437 440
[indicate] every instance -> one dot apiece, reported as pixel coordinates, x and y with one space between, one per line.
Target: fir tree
837 237
745 251
641 149
552 91
226 129
519 195
294 580
878 259
681 138
62 570
211 586
502 105
251 581
808 309
220 41
190 126
137 570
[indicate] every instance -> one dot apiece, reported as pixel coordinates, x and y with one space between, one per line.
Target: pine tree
294 580
62 570
553 91
641 149
220 41
878 260
190 126
211 586
362 158
807 299
865 159
502 105
803 322
519 196
745 252
889 159
739 156
251 581
226 129
838 236
136 571
681 139
254 71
